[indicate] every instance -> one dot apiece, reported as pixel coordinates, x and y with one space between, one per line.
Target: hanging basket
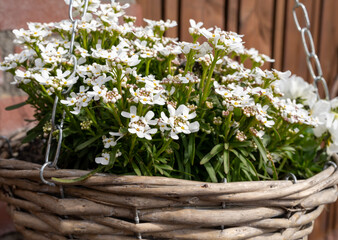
132 207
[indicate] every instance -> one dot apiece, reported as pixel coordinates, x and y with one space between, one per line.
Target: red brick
16 13
11 121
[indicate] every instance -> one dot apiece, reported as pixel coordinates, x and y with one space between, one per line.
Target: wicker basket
132 207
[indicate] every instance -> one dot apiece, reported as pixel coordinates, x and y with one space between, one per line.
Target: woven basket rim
73 173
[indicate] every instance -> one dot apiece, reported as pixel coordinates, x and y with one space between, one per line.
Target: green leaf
226 161
263 153
86 143
261 148
82 178
211 171
191 148
246 162
215 150
277 134
15 106
136 169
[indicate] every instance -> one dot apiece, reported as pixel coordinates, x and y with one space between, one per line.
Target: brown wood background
269 27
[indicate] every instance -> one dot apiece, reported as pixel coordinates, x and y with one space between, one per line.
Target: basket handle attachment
293 176
59 127
330 163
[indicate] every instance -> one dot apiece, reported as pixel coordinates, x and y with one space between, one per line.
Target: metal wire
309 48
54 126
294 178
137 221
330 163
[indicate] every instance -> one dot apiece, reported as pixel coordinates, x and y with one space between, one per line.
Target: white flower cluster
138 76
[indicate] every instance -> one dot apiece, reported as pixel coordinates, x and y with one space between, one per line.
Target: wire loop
307 34
294 178
330 163
47 164
324 84
70 10
306 16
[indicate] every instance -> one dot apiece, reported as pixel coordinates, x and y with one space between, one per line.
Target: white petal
171 110
194 127
149 115
125 114
133 110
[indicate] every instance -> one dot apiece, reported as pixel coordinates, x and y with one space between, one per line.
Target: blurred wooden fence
269 27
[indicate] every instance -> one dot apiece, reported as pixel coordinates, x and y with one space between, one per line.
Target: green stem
163 148
84 38
133 140
208 82
147 66
88 111
169 66
204 74
116 116
227 125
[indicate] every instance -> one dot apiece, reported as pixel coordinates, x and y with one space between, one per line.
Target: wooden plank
232 15
171 12
279 24
151 9
210 12
213 13
190 10
329 44
256 23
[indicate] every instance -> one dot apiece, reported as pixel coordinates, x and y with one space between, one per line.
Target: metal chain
309 47
54 126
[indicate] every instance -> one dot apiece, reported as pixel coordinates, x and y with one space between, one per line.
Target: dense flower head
152 104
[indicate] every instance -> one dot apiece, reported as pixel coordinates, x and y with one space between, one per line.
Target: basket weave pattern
131 207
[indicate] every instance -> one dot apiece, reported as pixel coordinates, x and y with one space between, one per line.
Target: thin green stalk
163 148
204 74
206 90
116 116
133 141
92 117
147 66
227 125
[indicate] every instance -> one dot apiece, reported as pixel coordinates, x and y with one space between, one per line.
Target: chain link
55 126
312 59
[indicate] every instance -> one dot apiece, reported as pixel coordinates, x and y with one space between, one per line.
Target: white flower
295 87
98 93
21 77
132 114
104 159
178 121
328 120
195 28
141 125
108 142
